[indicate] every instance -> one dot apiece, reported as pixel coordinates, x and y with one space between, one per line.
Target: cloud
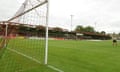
86 12
8 8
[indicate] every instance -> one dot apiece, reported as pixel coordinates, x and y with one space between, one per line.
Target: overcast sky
105 13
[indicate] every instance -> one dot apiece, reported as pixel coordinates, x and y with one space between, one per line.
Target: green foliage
80 28
89 29
103 32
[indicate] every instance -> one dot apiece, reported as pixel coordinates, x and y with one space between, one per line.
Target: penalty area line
31 58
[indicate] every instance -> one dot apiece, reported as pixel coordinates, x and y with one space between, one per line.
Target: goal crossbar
28 10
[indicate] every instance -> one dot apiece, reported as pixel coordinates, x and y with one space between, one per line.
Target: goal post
3 38
47 23
27 33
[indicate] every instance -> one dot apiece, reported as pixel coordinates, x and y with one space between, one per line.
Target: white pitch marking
54 68
29 57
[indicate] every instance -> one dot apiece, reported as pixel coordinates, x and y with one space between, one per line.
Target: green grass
69 56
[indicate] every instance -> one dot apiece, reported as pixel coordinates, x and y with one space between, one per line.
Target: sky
104 15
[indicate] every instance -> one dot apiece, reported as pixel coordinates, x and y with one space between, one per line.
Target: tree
89 29
79 28
119 34
103 32
97 32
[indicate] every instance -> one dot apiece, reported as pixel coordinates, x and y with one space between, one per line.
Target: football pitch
27 55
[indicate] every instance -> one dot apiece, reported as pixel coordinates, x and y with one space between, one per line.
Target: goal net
22 40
